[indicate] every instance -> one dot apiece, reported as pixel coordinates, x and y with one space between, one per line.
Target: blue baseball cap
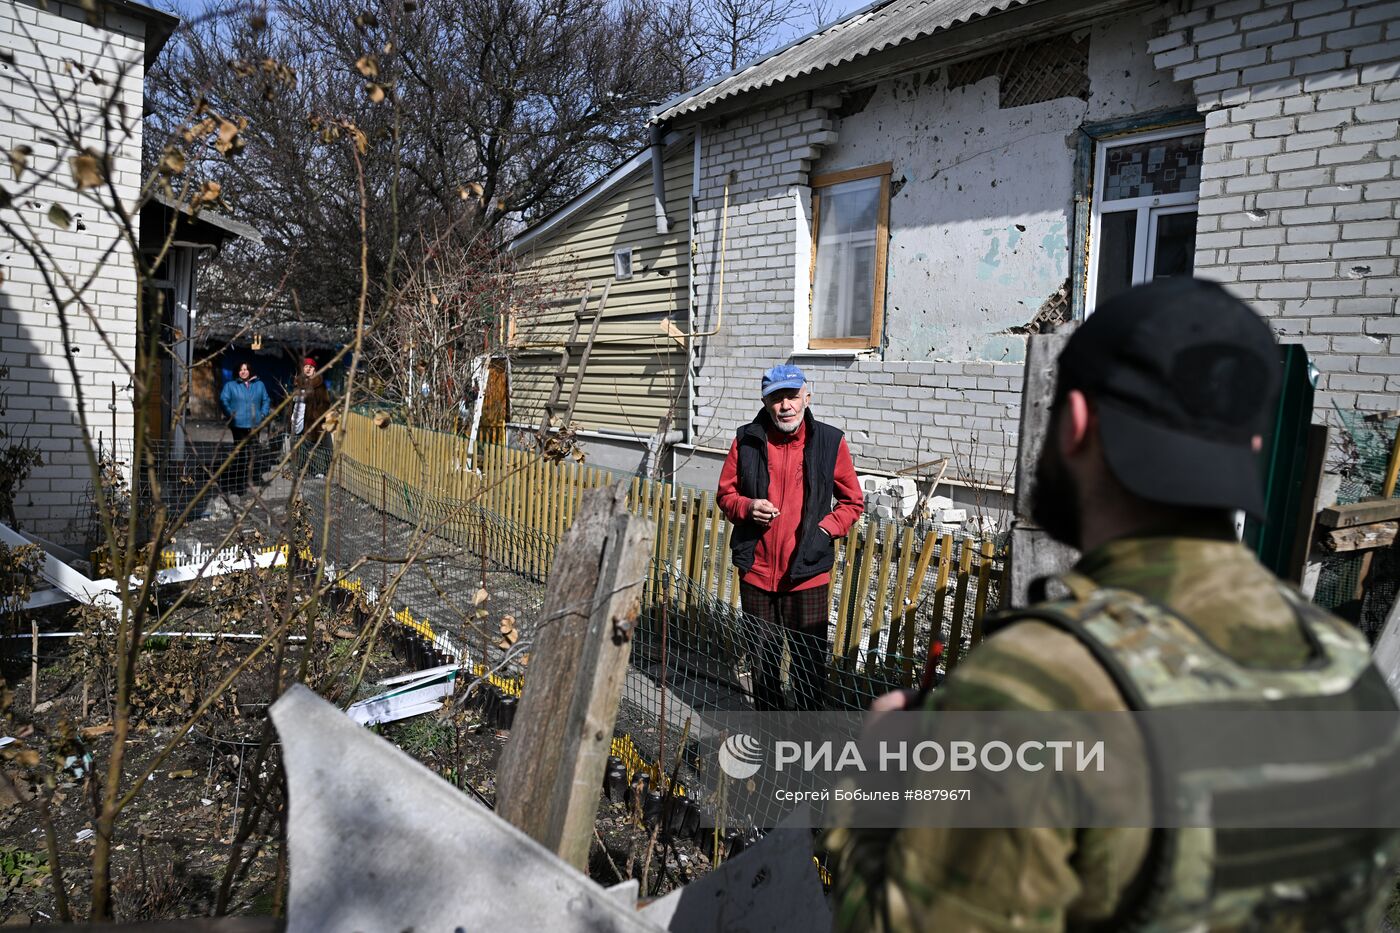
782 376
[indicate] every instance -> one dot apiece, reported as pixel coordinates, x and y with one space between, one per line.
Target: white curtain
843 293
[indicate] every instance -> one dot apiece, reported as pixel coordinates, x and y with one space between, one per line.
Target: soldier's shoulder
1032 664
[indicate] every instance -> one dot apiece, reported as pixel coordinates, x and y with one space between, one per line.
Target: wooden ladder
564 411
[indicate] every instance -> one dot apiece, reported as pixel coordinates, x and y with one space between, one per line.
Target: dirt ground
173 844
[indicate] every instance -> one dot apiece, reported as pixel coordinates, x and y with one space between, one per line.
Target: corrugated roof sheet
880 26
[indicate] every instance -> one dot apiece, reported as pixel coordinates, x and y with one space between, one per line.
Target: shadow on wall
41 411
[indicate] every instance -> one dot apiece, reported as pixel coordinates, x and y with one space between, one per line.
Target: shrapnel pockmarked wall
43 400
1298 215
1300 200
981 222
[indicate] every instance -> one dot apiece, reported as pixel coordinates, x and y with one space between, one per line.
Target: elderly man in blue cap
790 489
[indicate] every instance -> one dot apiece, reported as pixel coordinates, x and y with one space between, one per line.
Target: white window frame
1148 209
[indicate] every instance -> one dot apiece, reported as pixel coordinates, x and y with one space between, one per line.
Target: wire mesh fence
1360 457
459 518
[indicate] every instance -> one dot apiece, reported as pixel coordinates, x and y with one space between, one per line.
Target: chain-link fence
1360 455
432 524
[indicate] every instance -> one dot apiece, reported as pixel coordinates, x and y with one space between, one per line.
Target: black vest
815 551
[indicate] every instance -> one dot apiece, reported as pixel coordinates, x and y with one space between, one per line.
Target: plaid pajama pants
799 619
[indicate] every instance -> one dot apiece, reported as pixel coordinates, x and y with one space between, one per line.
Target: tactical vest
1198 879
815 552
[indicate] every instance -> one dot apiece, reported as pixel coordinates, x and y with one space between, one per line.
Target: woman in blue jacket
246 403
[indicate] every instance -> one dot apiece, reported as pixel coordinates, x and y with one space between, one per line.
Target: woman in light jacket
246 403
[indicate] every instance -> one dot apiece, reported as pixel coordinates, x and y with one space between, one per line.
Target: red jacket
773 554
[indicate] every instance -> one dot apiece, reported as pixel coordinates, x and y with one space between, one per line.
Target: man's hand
894 701
763 512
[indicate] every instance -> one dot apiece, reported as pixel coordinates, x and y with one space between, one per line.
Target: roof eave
662 112
226 226
589 195
936 48
160 25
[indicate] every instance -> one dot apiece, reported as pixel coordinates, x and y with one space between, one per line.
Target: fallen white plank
63 577
220 565
42 599
379 842
69 584
410 695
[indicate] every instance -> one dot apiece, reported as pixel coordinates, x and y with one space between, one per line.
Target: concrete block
1330 80
1380 52
1351 38
1309 8
1320 25
1268 81
1295 48
1195 69
1355 152
1313 233
1311 140
1271 35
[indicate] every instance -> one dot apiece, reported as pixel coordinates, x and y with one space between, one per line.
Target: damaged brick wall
981 221
1300 206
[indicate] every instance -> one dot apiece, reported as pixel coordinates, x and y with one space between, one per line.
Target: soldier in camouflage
1161 400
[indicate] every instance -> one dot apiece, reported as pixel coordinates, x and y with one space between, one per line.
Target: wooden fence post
1034 553
551 770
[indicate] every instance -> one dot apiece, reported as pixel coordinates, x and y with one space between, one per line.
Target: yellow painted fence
892 585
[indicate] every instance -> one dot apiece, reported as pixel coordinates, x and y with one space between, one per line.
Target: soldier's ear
1077 422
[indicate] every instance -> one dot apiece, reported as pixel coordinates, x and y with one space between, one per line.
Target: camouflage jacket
956 880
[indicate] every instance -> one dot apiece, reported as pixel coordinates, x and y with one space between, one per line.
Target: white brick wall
1300 210
894 413
44 402
1299 214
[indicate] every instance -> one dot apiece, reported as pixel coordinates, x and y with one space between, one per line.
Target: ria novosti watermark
1054 769
930 756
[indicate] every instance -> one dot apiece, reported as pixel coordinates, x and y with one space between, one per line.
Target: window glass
1117 239
843 293
1151 169
1176 245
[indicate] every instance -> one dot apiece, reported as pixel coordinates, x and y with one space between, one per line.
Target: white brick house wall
1298 214
1300 202
893 412
43 400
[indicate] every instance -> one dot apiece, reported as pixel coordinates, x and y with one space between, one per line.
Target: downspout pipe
658 177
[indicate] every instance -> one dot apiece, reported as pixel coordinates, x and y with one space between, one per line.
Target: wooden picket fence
893 586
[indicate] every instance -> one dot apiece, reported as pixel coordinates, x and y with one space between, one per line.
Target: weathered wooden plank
552 767
984 576
714 584
906 545
845 562
882 581
940 586
1365 512
916 585
1361 537
1034 553
867 564
959 604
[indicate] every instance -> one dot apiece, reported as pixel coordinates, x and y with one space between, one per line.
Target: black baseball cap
1183 375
